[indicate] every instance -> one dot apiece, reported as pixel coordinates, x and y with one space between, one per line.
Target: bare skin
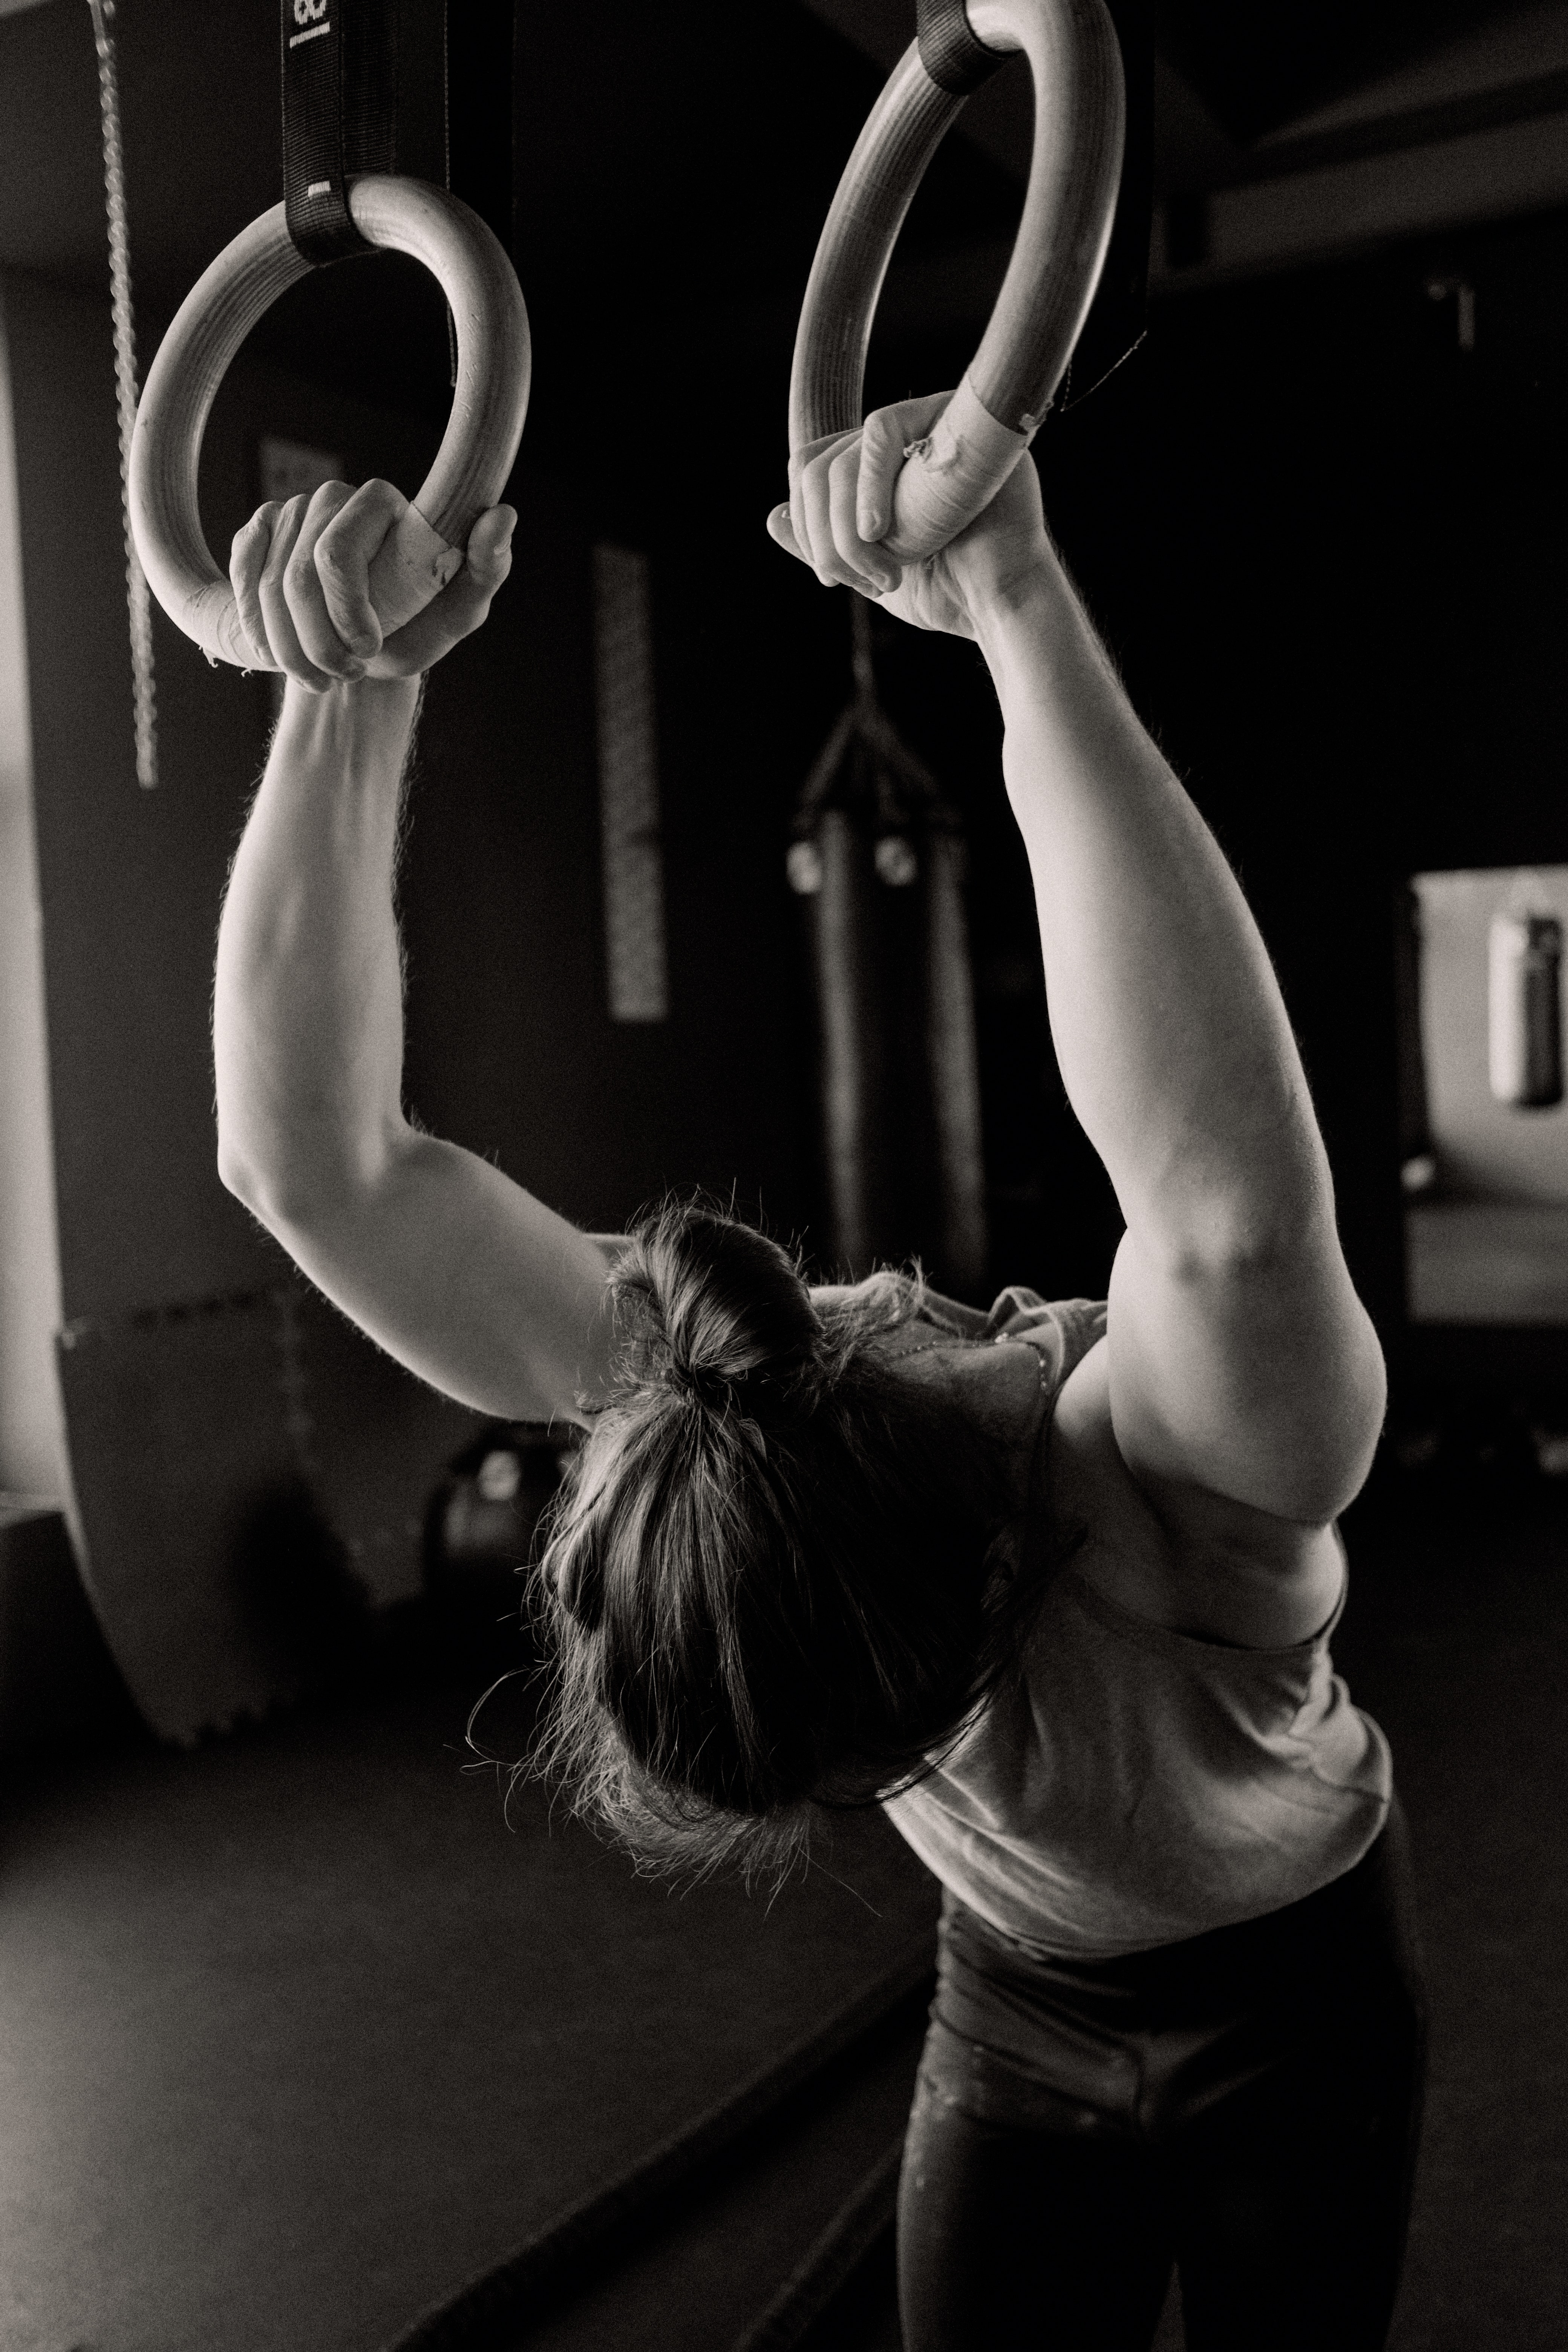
459 1273
1231 1413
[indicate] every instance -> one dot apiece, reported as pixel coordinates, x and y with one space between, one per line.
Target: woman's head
770 1580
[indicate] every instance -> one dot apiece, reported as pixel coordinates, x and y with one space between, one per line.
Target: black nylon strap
340 102
949 53
315 180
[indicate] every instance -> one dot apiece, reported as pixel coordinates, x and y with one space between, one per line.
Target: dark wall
129 879
510 1047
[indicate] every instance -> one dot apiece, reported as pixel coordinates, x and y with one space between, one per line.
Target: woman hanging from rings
1054 1584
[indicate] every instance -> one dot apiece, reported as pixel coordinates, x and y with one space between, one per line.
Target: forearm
1170 1031
308 1003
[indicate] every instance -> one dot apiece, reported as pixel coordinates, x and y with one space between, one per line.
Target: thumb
488 550
464 605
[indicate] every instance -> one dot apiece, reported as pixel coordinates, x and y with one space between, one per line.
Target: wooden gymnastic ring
1074 175
489 405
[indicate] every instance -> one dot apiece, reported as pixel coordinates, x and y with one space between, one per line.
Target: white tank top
1137 1786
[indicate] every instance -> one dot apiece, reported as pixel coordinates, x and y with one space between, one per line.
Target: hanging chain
136 593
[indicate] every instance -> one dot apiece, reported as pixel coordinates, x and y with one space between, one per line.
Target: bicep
1261 1383
466 1280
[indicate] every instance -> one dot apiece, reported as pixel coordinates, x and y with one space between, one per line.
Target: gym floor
296 2035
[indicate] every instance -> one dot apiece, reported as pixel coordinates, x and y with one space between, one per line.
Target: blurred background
252 1575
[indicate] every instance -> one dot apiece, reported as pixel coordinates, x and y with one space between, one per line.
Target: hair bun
724 1310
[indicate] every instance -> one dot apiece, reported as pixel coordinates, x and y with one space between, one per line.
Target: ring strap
949 50
363 91
338 88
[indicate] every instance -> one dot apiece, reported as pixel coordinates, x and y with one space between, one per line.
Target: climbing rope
137 600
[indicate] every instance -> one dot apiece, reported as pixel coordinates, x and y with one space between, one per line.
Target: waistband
1367 1912
1137 2042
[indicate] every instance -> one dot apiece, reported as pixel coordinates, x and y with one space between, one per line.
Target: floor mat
296 2035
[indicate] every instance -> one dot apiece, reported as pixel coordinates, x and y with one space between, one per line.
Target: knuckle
379 494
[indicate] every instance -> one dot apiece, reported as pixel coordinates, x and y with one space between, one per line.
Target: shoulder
1192 1561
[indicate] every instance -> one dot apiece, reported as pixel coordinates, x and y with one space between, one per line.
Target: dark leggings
1243 2106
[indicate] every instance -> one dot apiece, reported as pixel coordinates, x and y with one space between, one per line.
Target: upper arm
1257 1381
1210 1441
464 1278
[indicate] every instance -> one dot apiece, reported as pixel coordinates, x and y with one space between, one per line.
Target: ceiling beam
1296 218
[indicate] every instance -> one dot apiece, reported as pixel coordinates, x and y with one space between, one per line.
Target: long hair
774 1583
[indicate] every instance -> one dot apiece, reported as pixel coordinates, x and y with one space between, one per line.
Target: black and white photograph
783 1176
